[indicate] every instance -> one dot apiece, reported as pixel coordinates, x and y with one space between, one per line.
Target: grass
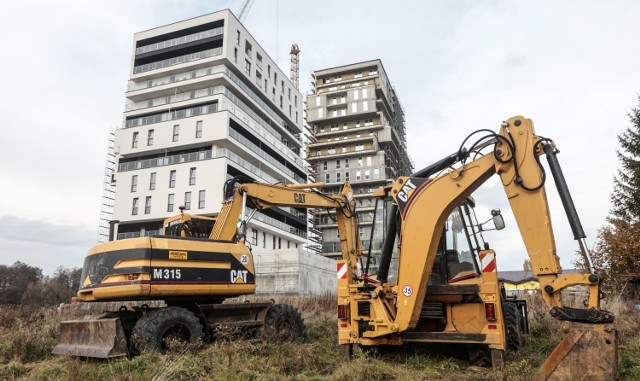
27 336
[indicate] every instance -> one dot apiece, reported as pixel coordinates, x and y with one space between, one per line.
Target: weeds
27 336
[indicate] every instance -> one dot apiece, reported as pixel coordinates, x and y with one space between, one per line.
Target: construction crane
295 65
244 10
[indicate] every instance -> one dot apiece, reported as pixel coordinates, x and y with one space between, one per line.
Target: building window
318 152
150 138
344 149
376 173
279 243
295 100
365 105
289 94
134 206
134 183
357 123
359 147
373 71
254 237
338 164
247 48
247 67
337 78
332 150
360 162
238 38
147 205
358 175
192 176
320 112
235 55
338 179
358 74
176 132
346 163
324 165
364 93
368 161
152 181
134 141
170 201
264 240
274 242
187 200
354 107
368 122
201 197
172 179
366 174
346 176
327 178
199 129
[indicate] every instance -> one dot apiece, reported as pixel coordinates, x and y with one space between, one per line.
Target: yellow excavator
193 267
437 283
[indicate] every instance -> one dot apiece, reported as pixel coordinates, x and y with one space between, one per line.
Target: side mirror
498 221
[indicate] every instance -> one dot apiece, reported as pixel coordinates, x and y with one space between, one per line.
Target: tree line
616 253
26 285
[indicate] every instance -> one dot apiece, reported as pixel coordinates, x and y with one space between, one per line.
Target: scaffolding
108 189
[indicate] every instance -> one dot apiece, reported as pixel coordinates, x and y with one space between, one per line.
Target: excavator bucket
587 352
98 338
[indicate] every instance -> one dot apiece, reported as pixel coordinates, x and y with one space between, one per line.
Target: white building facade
205 103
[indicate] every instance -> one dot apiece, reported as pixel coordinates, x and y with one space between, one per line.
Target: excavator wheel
283 324
157 329
512 326
479 355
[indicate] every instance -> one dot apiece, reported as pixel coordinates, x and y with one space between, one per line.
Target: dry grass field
27 336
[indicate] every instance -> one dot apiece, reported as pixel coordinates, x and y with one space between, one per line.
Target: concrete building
205 103
358 132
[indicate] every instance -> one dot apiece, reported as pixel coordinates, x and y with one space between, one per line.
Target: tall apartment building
357 124
205 103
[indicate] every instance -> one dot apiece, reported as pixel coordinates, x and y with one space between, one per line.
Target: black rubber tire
283 323
512 326
152 331
479 355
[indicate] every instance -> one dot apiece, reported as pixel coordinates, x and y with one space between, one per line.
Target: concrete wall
294 271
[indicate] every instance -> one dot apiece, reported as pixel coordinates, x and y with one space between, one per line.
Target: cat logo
299 198
239 276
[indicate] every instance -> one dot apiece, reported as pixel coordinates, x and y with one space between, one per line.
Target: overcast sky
458 66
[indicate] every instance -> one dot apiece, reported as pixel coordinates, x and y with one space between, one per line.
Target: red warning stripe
342 270
488 260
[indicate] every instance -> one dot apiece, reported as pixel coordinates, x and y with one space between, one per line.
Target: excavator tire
283 324
158 328
512 326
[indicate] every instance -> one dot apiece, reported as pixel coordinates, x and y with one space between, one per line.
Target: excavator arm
232 220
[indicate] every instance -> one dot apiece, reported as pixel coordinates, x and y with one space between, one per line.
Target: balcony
179 41
177 60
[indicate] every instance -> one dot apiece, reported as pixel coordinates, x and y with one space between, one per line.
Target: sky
458 66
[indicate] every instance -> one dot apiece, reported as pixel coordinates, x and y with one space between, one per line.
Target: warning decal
342 270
